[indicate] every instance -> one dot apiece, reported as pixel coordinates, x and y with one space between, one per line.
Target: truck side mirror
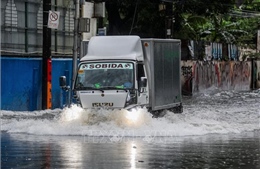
63 82
143 82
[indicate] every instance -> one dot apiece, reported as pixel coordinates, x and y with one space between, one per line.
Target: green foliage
140 17
226 21
223 27
251 55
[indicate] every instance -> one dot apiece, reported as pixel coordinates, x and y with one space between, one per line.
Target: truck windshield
119 75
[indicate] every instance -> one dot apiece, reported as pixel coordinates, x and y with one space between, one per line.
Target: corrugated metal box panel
164 57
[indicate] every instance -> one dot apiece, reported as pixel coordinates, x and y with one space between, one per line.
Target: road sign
53 21
102 31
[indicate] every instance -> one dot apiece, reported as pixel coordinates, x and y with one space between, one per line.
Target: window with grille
11 17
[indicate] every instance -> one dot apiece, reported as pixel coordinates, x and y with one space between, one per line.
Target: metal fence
201 50
22 24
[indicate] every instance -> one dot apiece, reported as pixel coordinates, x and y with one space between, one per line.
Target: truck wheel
178 109
158 113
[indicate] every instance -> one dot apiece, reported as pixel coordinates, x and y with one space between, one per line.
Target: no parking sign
53 20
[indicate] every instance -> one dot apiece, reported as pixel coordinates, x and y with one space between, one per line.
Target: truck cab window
106 75
140 72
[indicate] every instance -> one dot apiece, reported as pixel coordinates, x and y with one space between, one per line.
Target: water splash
204 113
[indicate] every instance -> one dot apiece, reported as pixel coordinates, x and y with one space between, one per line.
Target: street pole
75 43
46 58
169 20
258 41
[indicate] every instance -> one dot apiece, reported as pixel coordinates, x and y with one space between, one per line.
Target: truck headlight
133 115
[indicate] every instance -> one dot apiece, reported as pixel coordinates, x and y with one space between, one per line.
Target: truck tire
178 109
158 113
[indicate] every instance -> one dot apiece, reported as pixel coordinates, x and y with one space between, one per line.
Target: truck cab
112 75
127 72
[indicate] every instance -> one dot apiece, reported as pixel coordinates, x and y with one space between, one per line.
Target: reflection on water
72 152
133 155
209 151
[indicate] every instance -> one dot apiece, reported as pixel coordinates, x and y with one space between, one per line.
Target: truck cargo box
162 58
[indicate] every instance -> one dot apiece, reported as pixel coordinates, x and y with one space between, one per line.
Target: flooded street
211 151
217 129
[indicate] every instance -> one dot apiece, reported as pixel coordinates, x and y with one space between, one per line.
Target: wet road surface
208 151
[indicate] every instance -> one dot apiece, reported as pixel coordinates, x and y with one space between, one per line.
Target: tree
140 17
144 18
247 14
209 20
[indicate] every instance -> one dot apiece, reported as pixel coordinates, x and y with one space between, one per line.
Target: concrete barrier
231 75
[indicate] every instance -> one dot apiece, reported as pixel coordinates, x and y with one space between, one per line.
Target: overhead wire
245 13
133 18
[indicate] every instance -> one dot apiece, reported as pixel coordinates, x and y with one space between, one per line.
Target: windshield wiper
89 88
113 88
103 88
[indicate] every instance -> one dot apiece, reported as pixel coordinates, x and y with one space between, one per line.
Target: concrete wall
231 75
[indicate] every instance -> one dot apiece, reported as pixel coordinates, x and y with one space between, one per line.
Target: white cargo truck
124 72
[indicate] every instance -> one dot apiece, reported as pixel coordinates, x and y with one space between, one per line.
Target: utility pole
258 41
169 19
46 58
75 43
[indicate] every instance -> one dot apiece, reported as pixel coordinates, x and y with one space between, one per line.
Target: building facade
22 27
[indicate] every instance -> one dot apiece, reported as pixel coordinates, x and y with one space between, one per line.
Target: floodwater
217 129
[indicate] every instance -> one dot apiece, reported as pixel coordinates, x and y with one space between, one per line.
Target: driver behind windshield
110 78
123 79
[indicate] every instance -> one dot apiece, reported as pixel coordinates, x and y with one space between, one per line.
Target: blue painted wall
60 67
21 83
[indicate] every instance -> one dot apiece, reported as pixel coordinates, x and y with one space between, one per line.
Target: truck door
142 94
